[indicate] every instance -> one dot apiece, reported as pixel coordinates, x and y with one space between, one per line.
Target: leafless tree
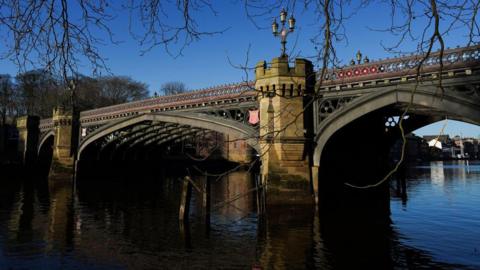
173 88
7 98
121 89
108 90
39 92
55 35
61 35
171 25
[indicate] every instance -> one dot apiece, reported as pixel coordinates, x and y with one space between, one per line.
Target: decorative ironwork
46 125
239 115
405 64
391 121
325 107
86 130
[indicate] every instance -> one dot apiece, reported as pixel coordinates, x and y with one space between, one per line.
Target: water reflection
134 225
437 173
442 214
285 238
233 195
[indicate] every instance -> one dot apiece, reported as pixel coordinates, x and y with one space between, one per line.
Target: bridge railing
46 125
453 59
200 98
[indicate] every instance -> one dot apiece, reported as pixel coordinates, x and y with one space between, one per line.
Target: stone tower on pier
283 95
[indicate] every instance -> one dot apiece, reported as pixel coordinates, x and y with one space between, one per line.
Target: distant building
452 148
435 143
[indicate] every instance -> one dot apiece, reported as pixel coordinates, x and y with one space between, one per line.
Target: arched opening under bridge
166 139
356 144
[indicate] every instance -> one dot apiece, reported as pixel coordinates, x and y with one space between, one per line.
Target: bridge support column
236 150
315 169
283 124
28 133
63 158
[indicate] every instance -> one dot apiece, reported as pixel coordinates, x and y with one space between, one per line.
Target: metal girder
148 132
179 132
128 132
183 138
236 114
134 130
132 134
164 135
159 141
143 136
180 138
165 132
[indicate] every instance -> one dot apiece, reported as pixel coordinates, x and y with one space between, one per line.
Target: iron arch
455 106
43 139
195 120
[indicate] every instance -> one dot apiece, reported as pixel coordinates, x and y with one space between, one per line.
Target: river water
133 224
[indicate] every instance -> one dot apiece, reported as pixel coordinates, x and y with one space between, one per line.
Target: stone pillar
63 159
28 133
315 169
283 138
236 150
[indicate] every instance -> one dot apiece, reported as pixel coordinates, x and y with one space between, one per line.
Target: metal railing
238 90
452 59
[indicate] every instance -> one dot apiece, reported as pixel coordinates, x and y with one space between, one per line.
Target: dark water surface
134 225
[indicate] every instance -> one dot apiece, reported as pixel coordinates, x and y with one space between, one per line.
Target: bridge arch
194 120
456 106
44 139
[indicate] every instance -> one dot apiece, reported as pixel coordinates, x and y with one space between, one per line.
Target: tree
59 35
7 98
88 93
173 88
120 89
106 91
39 92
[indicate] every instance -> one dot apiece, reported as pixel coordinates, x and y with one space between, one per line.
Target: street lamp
359 57
284 31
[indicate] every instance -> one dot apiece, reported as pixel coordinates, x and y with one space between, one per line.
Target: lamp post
75 118
284 31
359 57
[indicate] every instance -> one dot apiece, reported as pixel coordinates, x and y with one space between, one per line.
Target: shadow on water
131 222
363 239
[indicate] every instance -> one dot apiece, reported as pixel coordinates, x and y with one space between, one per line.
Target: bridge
309 126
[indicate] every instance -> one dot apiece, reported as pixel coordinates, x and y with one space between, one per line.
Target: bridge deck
240 93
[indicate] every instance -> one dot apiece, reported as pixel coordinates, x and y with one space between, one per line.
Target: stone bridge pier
285 130
28 134
63 159
63 146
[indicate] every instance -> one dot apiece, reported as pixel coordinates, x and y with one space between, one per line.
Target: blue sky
452 128
205 62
